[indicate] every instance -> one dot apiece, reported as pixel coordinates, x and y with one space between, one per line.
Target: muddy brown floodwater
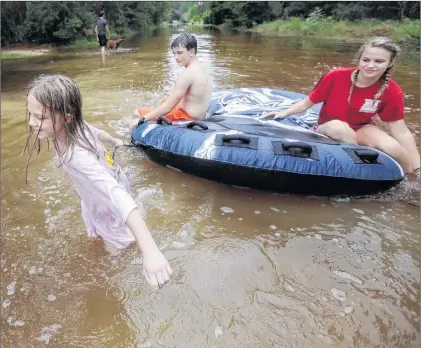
251 269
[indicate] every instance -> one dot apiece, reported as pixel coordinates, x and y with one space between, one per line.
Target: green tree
13 15
65 21
243 13
56 21
240 14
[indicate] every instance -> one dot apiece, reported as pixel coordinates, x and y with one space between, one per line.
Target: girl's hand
279 115
274 114
156 269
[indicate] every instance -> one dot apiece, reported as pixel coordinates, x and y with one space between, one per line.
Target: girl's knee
337 124
339 130
334 127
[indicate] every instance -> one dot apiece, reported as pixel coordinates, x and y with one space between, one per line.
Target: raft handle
162 119
363 156
141 121
235 137
368 156
295 149
237 140
298 145
198 124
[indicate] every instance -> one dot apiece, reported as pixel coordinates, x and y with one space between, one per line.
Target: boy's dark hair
101 13
185 40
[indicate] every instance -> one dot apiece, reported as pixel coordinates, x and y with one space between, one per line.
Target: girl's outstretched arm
100 183
104 137
155 266
298 107
108 139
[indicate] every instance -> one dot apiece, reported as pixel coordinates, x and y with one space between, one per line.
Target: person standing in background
100 28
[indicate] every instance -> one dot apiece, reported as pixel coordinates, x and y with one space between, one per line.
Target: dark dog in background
113 44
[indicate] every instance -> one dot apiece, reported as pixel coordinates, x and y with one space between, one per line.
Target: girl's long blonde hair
62 98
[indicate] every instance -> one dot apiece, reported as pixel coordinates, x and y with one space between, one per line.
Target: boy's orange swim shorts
177 114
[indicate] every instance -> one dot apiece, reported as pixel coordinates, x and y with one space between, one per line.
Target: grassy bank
22 53
81 44
358 30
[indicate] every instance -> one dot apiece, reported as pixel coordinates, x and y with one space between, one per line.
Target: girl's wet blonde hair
59 95
380 42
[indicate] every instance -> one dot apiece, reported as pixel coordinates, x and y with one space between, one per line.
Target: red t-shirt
333 90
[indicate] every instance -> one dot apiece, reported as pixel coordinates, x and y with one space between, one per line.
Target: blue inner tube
236 146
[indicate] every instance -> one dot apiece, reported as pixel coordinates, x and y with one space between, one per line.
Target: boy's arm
182 84
108 29
96 32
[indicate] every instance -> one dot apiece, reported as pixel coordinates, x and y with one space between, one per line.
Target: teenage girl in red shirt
351 97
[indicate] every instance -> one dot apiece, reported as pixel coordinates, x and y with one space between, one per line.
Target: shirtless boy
190 97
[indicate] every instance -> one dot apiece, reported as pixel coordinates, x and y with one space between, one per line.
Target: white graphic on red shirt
370 105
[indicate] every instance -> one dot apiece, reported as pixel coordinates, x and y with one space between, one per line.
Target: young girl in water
352 96
54 111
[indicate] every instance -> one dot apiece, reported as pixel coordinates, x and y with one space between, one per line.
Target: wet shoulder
199 71
184 76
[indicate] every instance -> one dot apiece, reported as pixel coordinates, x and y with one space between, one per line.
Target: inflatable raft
236 145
